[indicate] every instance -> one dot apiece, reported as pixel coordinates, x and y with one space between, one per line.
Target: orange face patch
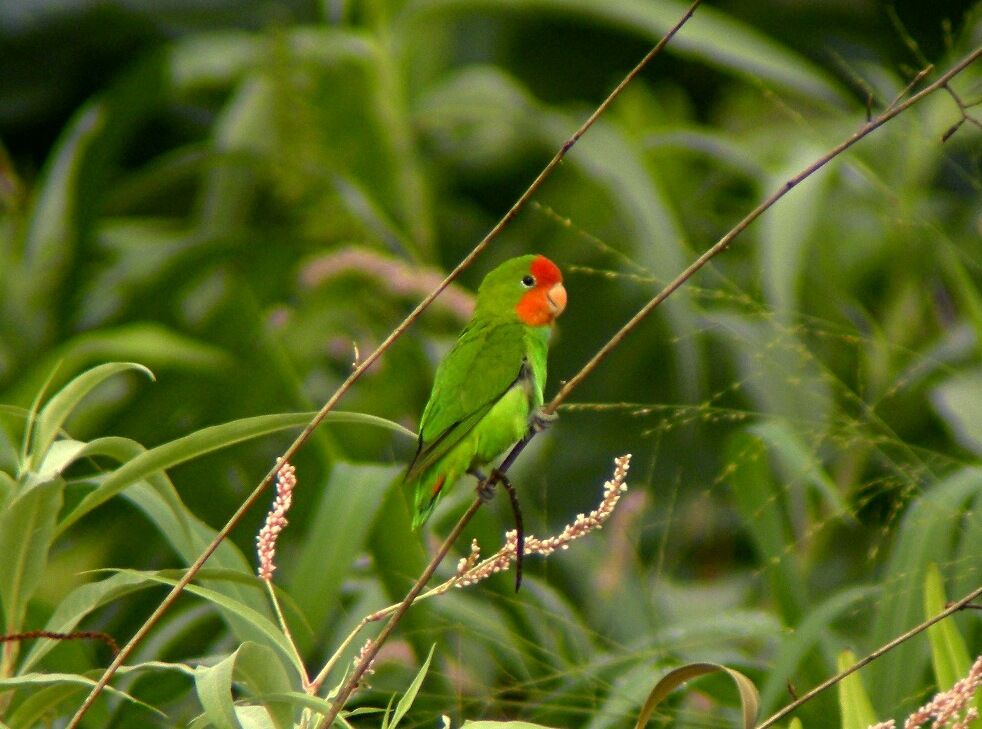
542 303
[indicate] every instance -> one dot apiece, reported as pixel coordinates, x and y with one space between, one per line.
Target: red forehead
545 271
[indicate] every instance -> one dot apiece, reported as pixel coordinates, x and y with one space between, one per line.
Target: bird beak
557 299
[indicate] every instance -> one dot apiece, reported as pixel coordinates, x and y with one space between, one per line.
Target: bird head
529 287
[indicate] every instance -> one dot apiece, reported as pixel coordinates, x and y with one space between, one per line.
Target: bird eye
528 282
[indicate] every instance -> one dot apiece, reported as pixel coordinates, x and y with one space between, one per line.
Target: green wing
479 369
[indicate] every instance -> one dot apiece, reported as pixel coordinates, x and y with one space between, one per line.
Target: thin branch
953 608
355 678
75 635
356 374
964 109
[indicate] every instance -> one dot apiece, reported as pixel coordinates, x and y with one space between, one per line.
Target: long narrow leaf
267 628
60 406
711 36
26 530
749 699
205 441
854 702
352 497
948 652
214 687
406 702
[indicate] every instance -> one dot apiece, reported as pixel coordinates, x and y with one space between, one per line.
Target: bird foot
540 420
485 485
485 488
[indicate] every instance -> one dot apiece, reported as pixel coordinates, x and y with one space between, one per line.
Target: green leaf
814 630
56 411
854 703
78 604
711 36
958 400
236 572
259 669
266 627
406 702
749 699
219 59
948 652
52 236
39 680
62 454
789 229
214 687
155 345
760 501
925 536
31 416
8 487
205 441
502 725
26 533
32 711
352 497
799 463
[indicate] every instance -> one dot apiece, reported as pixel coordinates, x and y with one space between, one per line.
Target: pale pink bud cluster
950 709
286 480
365 650
470 571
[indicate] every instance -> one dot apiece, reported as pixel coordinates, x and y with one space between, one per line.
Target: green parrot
490 383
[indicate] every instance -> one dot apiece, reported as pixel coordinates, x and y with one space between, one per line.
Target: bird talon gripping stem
485 487
540 420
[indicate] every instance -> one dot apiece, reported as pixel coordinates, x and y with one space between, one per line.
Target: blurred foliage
246 197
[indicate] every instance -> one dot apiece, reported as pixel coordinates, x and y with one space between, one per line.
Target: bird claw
485 489
540 420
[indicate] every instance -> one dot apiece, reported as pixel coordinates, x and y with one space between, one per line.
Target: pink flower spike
286 480
950 709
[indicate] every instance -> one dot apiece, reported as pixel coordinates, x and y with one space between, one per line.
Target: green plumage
484 390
